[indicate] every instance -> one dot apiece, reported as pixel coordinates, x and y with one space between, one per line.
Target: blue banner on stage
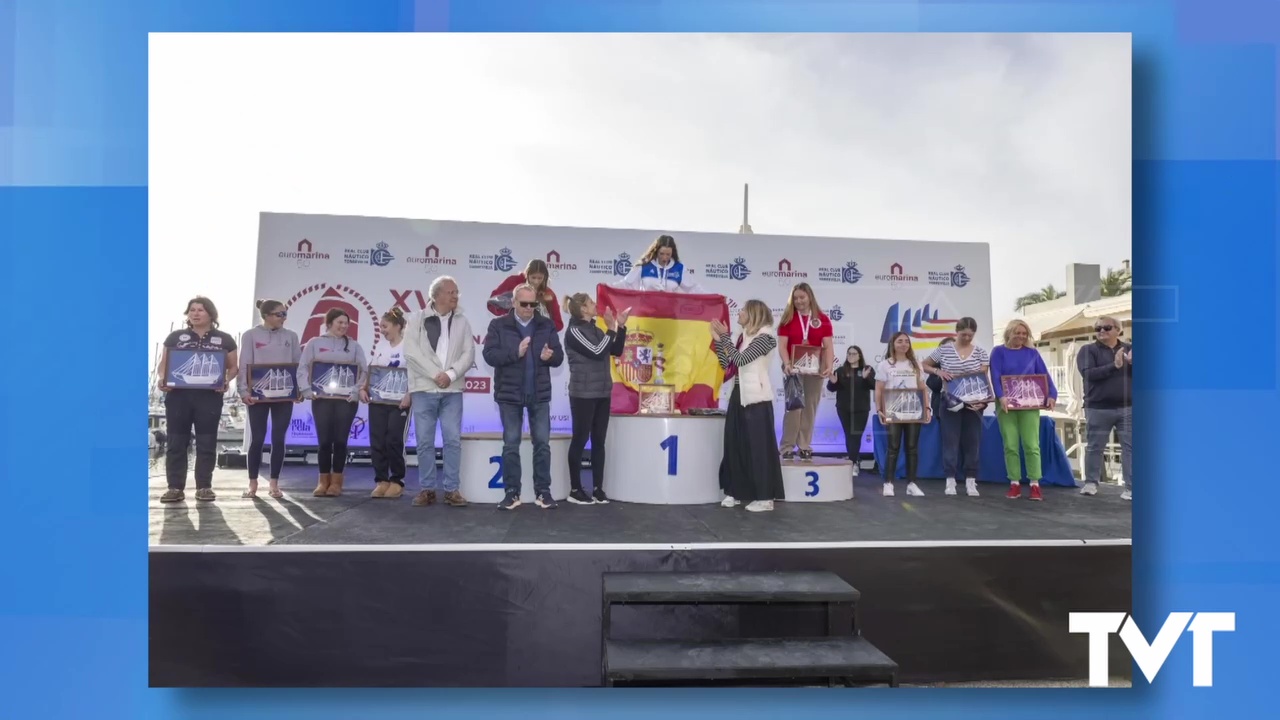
991 468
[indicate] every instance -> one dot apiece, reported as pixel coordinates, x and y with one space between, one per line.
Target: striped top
949 360
729 355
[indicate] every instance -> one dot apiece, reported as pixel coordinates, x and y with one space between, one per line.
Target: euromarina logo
555 264
897 274
923 325
618 266
956 277
736 270
305 254
502 261
377 256
784 271
847 275
432 259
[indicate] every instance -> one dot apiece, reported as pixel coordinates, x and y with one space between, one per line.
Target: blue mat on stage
1053 457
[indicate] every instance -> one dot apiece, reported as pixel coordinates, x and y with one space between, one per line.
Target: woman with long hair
659 270
803 324
750 470
961 421
188 408
1019 427
537 275
589 351
853 383
333 416
388 424
270 343
900 370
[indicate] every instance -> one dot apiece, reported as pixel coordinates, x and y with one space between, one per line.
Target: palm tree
1045 294
1117 282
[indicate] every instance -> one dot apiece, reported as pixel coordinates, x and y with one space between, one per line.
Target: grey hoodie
262 346
330 349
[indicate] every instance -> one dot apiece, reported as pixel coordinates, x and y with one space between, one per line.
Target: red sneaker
1035 492
1015 491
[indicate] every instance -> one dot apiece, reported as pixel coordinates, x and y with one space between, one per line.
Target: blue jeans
540 431
428 407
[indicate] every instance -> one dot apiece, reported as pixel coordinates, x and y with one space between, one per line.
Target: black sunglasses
280 314
1104 328
524 304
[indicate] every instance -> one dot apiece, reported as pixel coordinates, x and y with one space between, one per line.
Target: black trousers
387 427
590 419
333 429
854 424
898 431
280 413
183 410
961 438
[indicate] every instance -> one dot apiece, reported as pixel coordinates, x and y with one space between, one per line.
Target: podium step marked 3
818 480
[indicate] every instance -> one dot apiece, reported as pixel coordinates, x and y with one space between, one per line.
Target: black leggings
281 413
333 428
897 431
853 433
387 424
183 410
590 419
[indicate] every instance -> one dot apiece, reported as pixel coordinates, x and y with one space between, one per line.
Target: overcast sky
1020 141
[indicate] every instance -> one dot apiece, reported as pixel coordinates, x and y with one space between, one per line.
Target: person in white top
900 370
388 424
660 269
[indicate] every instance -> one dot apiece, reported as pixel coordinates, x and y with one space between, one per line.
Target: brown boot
322 488
335 485
453 498
380 490
394 490
425 498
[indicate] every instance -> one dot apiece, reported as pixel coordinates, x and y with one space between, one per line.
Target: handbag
793 392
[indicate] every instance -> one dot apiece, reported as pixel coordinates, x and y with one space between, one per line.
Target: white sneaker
913 490
760 506
951 486
971 487
729 502
1089 488
1126 495
857 467
888 489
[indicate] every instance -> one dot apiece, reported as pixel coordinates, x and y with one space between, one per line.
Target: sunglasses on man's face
1104 328
524 304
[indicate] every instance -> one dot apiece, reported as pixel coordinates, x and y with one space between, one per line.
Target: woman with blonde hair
659 269
590 352
750 470
803 323
1019 427
537 275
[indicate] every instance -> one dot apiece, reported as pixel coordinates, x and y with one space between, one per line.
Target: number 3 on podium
813 484
672 446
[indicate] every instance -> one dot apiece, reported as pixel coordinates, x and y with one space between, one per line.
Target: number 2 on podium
495 482
672 446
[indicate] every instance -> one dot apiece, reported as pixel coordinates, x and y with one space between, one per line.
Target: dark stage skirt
751 469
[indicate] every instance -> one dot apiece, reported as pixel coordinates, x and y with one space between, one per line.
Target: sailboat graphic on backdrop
337 380
274 384
200 369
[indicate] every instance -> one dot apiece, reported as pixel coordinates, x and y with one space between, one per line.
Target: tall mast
746 202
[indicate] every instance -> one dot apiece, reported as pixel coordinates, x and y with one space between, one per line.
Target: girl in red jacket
535 274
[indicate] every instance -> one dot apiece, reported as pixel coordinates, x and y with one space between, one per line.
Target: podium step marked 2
818 480
483 477
664 459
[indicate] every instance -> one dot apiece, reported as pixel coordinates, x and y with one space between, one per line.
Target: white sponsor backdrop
367 265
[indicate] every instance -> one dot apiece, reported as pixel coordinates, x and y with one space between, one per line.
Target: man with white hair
438 350
1107 369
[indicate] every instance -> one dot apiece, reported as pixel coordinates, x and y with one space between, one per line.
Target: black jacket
853 392
502 353
589 349
1105 386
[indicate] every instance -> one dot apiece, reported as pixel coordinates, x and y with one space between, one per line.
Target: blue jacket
502 353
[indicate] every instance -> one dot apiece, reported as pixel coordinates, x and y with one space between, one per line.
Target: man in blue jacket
522 347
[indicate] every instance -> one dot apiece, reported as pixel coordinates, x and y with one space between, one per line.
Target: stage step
745 587
848 658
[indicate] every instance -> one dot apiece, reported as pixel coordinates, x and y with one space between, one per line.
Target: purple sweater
1023 361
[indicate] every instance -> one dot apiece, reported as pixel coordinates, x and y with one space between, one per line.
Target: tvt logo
1150 657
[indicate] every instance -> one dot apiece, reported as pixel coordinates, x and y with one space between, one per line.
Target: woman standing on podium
333 416
751 471
589 350
803 324
660 269
901 371
536 274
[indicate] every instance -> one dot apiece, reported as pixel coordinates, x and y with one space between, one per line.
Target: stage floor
357 519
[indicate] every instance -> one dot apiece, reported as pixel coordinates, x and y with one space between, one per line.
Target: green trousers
1020 427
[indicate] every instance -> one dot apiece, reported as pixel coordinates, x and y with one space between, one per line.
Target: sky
1019 141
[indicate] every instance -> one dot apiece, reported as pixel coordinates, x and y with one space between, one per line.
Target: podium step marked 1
818 480
483 477
664 459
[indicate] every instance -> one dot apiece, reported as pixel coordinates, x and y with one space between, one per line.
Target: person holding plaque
963 367
589 351
900 371
330 374
660 270
804 342
388 423
853 384
270 343
750 470
1106 366
535 274
1020 427
195 407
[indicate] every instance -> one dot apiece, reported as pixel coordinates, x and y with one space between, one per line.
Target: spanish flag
668 342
